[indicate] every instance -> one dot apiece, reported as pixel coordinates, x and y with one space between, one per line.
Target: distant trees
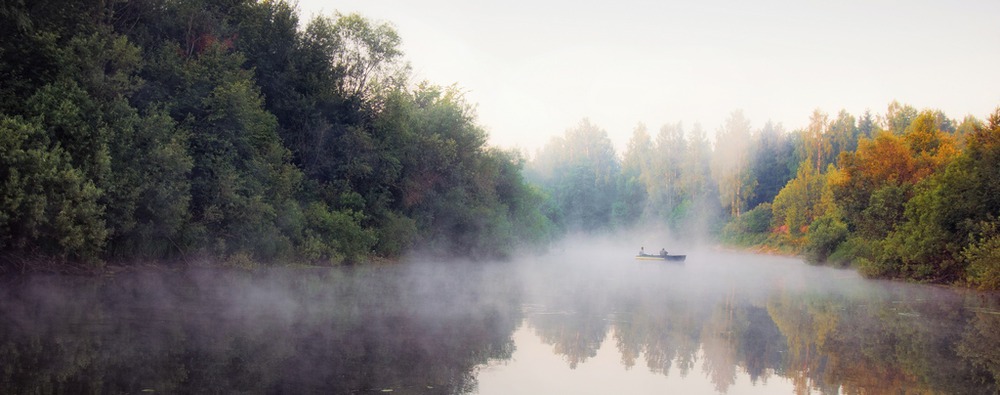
730 163
773 162
664 182
581 172
638 175
895 195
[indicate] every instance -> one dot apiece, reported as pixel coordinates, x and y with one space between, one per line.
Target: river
578 321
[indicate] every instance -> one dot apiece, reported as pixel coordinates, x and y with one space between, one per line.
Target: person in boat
642 251
663 252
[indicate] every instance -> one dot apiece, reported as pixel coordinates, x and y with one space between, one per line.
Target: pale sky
535 68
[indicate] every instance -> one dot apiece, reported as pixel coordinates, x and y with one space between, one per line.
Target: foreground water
591 321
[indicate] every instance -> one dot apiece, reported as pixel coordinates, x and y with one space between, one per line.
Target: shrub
825 234
983 259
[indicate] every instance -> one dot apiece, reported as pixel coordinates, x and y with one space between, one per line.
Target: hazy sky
536 68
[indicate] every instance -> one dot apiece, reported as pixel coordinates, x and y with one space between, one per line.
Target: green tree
773 163
637 176
149 197
369 55
844 135
580 171
816 139
982 256
667 193
47 206
898 117
703 202
241 174
867 125
965 128
825 234
800 202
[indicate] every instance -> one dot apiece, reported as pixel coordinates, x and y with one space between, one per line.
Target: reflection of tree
980 345
650 318
288 332
663 335
678 342
760 344
718 346
878 341
426 331
740 335
656 321
576 321
575 336
850 337
805 326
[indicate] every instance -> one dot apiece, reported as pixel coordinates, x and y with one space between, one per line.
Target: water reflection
593 322
769 322
281 332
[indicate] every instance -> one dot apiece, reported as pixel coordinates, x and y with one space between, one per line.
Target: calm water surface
592 321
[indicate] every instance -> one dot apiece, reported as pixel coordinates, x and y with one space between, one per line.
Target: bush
757 220
396 234
851 252
826 233
983 259
337 235
751 227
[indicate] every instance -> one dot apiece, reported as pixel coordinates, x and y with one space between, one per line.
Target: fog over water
586 318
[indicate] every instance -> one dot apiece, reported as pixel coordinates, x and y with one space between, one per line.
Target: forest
907 194
230 131
227 131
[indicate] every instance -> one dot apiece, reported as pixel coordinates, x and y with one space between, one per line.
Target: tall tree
898 117
637 176
844 135
800 202
931 146
369 55
867 125
884 161
773 162
670 149
968 125
817 140
48 206
730 166
581 171
927 243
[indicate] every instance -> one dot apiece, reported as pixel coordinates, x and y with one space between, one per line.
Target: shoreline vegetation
231 132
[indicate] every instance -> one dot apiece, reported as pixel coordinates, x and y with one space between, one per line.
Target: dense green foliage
225 130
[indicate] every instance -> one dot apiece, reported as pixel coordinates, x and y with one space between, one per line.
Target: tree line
905 194
226 130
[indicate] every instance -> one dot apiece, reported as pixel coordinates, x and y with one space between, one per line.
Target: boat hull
669 258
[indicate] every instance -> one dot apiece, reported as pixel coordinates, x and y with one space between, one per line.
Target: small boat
661 257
